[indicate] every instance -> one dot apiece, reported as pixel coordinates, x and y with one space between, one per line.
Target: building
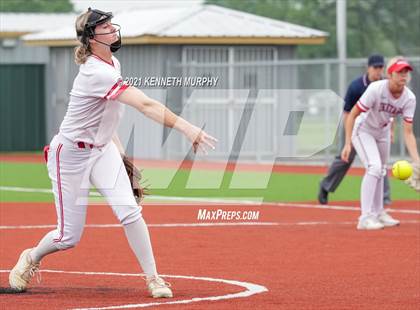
200 40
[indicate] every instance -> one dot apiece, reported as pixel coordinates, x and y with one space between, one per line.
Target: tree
46 6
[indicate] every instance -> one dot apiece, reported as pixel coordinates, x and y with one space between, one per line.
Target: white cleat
387 220
158 288
369 223
23 272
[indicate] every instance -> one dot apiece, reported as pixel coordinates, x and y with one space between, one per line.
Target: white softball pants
373 147
72 171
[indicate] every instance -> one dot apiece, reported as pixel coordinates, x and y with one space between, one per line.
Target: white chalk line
250 289
211 224
227 202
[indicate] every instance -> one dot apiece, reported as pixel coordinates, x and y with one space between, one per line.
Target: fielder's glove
414 180
135 177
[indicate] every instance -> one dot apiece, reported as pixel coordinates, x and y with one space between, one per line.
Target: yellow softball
402 169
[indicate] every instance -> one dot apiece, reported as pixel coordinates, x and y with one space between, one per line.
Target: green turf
32 175
169 182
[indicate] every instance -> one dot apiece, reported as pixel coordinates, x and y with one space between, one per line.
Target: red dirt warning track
203 165
310 259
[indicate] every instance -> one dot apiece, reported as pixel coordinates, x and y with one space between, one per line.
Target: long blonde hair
82 51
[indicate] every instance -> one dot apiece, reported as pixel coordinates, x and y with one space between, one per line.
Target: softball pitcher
368 128
83 153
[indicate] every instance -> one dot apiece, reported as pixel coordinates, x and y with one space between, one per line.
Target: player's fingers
206 135
343 156
202 141
198 146
211 138
208 142
202 149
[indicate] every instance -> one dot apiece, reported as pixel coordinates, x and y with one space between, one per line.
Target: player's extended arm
410 142
348 129
156 111
345 117
392 130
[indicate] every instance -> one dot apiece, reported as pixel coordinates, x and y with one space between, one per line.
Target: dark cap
376 60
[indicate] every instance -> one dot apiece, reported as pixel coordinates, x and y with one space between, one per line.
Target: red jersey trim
119 91
101 59
361 107
60 193
112 89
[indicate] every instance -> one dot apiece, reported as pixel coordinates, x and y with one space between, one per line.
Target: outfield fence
264 110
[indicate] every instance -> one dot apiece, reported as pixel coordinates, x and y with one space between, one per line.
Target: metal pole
341 44
341 23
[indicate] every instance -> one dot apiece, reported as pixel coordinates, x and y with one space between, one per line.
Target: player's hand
200 139
345 153
414 180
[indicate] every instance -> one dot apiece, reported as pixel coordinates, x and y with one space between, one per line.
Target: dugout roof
197 24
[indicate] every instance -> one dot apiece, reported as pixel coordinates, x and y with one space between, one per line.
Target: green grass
33 175
201 183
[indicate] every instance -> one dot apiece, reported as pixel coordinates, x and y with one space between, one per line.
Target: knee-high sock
369 185
46 246
139 240
378 200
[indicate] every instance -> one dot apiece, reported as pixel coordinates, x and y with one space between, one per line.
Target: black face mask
117 44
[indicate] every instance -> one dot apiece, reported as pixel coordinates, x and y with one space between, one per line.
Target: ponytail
83 51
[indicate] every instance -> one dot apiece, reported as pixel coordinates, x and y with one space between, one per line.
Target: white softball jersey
371 139
379 106
82 154
93 114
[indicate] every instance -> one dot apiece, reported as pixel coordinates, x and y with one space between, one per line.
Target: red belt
83 145
46 150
